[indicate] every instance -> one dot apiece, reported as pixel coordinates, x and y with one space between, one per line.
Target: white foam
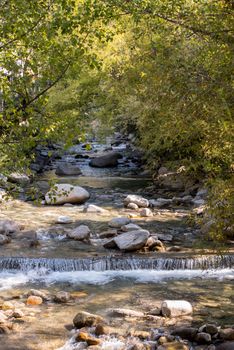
9 279
109 344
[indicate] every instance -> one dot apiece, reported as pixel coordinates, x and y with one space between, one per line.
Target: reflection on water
101 181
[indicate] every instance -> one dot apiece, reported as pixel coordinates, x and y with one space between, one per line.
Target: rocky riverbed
102 238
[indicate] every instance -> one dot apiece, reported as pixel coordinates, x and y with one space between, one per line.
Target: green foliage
221 208
161 69
40 42
167 76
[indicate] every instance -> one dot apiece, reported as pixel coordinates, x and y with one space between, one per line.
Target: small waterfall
113 263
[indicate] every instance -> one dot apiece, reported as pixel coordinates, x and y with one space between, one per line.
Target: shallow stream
208 286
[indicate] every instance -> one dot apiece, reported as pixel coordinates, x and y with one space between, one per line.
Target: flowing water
100 279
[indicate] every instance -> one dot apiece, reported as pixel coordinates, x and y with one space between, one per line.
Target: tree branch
61 75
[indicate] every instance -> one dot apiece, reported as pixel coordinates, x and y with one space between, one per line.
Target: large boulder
133 240
138 200
21 179
66 193
85 319
67 169
107 160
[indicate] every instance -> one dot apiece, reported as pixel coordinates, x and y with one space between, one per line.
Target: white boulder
175 308
66 193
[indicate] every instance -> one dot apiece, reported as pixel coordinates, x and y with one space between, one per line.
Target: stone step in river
112 263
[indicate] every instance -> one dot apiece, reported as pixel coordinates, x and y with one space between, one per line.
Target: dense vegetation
162 69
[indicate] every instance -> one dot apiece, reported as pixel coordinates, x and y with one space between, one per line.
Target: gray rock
188 333
43 186
21 179
202 193
85 319
175 181
91 208
62 297
133 240
198 202
130 227
225 346
107 160
67 169
162 170
110 244
227 334
165 237
138 200
66 193
132 206
203 338
38 293
211 329
146 212
182 200
4 239
79 233
155 311
160 202
8 227
108 234
119 222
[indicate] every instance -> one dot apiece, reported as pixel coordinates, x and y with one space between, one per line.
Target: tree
40 42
